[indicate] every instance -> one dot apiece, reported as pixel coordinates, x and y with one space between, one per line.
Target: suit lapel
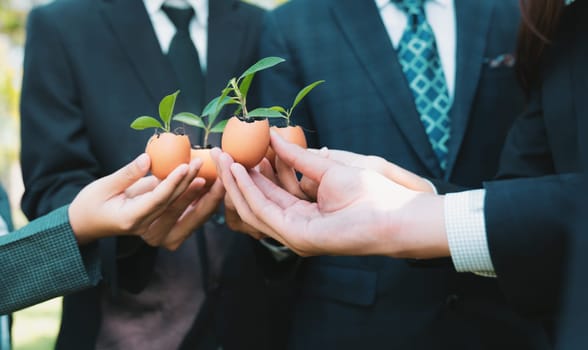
472 18
132 27
371 44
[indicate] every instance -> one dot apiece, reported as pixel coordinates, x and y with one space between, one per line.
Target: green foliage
208 118
262 64
237 89
166 110
287 113
145 122
264 112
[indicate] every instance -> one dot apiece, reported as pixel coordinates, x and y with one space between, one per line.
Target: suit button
452 300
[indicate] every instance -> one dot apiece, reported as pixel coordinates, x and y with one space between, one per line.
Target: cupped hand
126 202
357 212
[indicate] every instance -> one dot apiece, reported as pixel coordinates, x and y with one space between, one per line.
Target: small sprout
287 113
166 110
208 118
237 89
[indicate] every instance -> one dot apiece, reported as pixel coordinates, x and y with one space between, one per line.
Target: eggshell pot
167 151
246 142
208 168
293 134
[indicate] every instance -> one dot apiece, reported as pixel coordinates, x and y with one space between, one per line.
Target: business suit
42 260
528 220
365 106
81 90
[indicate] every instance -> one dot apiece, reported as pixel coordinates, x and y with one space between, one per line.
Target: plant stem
206 132
240 98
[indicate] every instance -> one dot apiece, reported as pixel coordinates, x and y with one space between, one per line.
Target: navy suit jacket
528 219
365 106
91 67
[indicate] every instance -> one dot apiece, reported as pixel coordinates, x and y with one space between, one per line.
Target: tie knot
180 17
411 7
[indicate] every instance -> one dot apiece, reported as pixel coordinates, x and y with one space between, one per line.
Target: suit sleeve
527 223
42 260
56 155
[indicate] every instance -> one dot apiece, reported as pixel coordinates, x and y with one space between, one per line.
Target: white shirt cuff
466 232
3 227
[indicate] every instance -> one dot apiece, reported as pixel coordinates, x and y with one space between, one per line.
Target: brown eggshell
167 151
246 142
208 168
293 134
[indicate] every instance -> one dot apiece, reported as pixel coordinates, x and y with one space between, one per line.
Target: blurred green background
34 328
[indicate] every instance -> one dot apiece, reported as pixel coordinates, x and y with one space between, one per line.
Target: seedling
287 113
237 89
207 120
166 149
166 110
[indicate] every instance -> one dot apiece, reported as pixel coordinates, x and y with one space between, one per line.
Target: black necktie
184 60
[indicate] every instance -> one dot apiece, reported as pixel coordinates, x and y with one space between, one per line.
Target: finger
162 221
265 168
195 216
153 203
407 179
120 180
254 207
225 163
273 192
264 206
288 179
309 164
309 187
190 179
145 184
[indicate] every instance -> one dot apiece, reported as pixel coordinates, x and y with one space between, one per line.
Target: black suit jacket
91 67
365 106
528 220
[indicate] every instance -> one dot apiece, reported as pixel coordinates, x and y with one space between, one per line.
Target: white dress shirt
165 29
441 17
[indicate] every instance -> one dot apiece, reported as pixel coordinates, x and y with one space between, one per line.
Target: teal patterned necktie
417 53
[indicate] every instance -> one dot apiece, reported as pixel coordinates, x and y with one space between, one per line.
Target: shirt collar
199 6
383 3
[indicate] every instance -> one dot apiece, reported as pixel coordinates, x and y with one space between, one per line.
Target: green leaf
262 64
220 127
245 84
166 107
279 109
304 92
145 122
214 107
190 119
265 112
223 95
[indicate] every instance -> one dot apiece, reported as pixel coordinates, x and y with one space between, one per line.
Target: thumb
129 174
